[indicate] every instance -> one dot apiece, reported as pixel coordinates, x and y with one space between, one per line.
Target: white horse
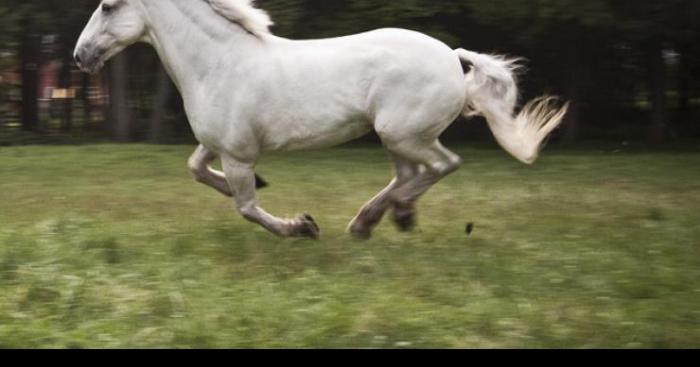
247 91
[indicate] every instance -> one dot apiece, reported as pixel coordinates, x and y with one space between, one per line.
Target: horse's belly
315 136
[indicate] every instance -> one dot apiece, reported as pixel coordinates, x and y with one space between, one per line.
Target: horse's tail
492 92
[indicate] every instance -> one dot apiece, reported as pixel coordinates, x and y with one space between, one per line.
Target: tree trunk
29 58
120 116
67 108
573 71
658 83
85 96
685 75
164 92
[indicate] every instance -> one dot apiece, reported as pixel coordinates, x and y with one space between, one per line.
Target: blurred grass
116 246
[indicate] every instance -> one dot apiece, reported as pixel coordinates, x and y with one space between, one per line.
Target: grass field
116 246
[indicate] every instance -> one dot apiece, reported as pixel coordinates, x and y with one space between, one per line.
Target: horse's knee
197 169
248 211
455 164
446 167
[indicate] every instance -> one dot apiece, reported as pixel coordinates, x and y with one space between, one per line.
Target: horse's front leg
241 180
199 166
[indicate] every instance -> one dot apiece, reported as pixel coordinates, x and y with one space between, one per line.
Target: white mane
243 12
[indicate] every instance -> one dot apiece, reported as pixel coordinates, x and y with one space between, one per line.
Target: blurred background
627 65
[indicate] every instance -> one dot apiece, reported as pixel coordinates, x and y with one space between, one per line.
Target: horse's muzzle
88 59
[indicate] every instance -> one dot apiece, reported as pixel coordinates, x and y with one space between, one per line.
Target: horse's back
386 58
347 69
337 89
388 44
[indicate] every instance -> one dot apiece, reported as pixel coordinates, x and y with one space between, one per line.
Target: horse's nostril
77 58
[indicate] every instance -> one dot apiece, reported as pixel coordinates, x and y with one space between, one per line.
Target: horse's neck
191 39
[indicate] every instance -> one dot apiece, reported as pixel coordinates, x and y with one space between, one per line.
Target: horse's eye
106 8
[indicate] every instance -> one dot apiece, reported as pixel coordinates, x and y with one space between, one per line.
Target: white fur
247 91
493 93
255 21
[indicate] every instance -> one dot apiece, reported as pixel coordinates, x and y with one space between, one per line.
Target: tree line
627 66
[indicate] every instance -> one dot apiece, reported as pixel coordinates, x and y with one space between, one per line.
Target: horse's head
115 25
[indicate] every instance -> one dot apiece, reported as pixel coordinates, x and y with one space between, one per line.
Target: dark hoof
308 228
405 222
362 235
260 183
360 232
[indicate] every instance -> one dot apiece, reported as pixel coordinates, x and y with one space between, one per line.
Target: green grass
116 246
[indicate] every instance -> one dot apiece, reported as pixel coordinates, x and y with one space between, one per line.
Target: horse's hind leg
409 185
404 214
241 179
372 213
438 162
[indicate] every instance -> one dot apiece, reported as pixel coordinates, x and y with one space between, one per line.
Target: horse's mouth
90 62
92 67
